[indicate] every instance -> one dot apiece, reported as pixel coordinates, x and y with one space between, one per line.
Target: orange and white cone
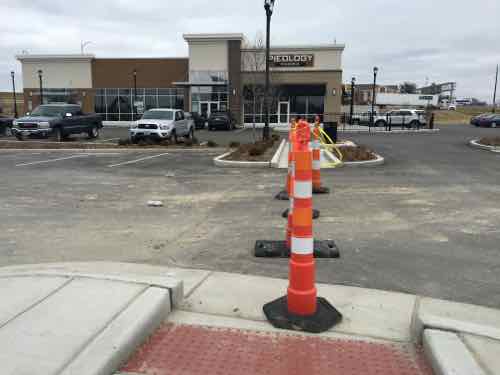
301 290
301 309
316 166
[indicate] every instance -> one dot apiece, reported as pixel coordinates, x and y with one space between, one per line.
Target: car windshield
48 111
158 115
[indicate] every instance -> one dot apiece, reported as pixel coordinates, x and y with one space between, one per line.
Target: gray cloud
442 40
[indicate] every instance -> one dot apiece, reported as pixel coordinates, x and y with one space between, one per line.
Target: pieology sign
292 60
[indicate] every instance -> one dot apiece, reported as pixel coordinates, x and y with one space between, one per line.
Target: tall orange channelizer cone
301 290
284 194
301 309
316 151
290 186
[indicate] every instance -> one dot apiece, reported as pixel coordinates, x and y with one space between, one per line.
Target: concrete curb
275 161
367 163
395 131
113 346
448 355
475 144
219 162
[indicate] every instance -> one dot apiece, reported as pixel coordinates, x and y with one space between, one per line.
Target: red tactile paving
191 350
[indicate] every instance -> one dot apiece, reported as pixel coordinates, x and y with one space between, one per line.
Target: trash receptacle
330 128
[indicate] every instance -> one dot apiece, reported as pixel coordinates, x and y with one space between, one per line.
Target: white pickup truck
161 123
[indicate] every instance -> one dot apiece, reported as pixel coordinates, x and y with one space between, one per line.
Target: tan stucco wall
58 73
208 55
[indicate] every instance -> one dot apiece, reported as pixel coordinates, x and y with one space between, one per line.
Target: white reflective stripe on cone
291 205
302 246
315 145
302 189
316 164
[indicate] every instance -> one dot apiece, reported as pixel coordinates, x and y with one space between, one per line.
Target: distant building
363 92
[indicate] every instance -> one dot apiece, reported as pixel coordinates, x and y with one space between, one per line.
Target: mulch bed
357 153
258 151
490 141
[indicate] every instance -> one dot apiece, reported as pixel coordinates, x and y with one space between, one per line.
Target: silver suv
161 123
411 118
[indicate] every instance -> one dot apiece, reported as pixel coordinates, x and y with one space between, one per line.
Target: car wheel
493 124
19 137
174 137
93 132
58 135
191 133
380 124
414 124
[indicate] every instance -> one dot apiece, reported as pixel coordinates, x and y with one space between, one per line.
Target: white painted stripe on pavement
51 160
137 160
302 189
109 140
303 246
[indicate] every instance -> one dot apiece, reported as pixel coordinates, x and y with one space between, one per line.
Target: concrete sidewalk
87 318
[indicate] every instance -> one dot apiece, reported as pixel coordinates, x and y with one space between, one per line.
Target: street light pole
135 94
353 84
375 71
268 6
41 85
495 92
12 74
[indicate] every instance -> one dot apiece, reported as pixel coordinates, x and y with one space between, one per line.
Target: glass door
284 113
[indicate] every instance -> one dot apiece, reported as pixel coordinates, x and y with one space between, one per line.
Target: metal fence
404 120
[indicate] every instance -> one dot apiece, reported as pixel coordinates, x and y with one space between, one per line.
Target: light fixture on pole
40 73
12 74
269 7
375 71
134 73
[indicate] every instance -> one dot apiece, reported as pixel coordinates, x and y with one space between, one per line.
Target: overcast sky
442 40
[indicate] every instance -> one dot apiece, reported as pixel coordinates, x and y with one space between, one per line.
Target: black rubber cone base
321 190
326 316
282 196
325 249
316 214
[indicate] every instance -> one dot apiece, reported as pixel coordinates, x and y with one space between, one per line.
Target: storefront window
207 98
117 104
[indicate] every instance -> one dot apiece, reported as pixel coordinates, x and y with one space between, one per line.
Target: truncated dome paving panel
190 350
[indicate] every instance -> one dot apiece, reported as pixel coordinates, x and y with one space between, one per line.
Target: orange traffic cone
301 309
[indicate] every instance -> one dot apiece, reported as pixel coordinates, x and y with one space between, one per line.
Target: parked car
162 123
58 121
411 118
492 121
5 125
221 120
199 121
475 120
362 118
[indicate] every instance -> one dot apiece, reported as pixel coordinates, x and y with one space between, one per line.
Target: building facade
222 73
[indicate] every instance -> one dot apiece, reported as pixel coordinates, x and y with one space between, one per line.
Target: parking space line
51 160
108 140
137 160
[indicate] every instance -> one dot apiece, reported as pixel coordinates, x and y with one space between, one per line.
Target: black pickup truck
57 121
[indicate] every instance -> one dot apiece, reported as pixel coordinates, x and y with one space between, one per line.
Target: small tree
254 67
408 88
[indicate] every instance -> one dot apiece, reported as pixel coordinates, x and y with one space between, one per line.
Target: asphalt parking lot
427 222
111 135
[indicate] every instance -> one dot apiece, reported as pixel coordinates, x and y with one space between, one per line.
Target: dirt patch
258 151
357 153
490 141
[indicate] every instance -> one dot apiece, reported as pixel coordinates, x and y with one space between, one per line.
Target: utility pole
353 84
495 91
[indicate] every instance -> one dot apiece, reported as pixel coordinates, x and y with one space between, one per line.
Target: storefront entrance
284 113
206 108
